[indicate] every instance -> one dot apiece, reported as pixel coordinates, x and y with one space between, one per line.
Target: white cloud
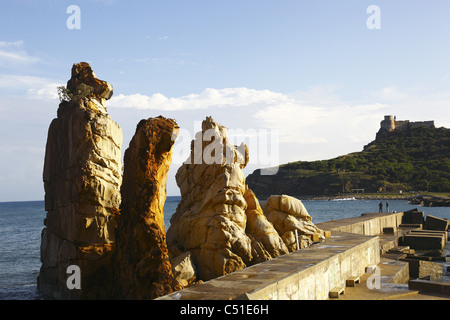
321 119
30 86
319 95
13 54
388 93
307 124
316 123
47 91
293 120
208 98
15 44
313 124
415 103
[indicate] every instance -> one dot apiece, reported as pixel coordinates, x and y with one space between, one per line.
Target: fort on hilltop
390 123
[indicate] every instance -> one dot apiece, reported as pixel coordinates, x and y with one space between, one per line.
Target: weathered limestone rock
143 267
82 77
184 269
288 214
211 220
82 178
267 238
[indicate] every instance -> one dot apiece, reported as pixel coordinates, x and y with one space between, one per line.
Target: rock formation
82 178
288 214
211 220
430 201
113 233
262 230
184 269
143 267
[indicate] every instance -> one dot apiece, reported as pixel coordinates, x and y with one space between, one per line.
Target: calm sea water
21 224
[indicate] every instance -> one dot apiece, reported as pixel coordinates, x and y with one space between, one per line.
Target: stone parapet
306 274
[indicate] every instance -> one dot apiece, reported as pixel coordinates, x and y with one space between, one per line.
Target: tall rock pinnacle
82 179
144 270
213 220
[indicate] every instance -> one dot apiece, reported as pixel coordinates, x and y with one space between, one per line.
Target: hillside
415 159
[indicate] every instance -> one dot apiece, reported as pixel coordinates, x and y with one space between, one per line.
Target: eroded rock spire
211 220
143 267
82 179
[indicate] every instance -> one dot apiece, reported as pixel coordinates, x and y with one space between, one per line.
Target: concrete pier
324 270
425 240
367 224
306 274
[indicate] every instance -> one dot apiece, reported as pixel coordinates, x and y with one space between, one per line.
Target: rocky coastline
431 201
423 200
104 235
355 196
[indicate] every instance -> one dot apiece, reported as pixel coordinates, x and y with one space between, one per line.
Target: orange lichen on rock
82 177
143 267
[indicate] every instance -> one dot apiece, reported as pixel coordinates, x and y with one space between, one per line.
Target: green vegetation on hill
416 159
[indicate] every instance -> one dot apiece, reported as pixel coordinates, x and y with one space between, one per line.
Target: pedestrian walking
380 210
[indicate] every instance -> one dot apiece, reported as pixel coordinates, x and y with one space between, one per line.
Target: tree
63 94
84 91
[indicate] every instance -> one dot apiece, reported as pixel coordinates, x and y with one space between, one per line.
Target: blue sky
310 71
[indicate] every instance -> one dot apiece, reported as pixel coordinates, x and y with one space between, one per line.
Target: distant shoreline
372 196
424 200
360 197
355 196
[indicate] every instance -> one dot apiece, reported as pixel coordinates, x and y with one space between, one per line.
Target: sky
294 79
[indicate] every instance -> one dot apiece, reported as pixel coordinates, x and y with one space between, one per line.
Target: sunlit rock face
82 179
289 216
211 221
266 238
141 258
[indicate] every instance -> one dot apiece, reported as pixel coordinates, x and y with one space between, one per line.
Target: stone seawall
306 274
367 224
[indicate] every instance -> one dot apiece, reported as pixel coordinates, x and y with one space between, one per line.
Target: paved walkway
392 286
388 291
319 271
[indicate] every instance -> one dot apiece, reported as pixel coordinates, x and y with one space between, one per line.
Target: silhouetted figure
387 206
380 210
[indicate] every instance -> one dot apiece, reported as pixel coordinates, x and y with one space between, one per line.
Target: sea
21 224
